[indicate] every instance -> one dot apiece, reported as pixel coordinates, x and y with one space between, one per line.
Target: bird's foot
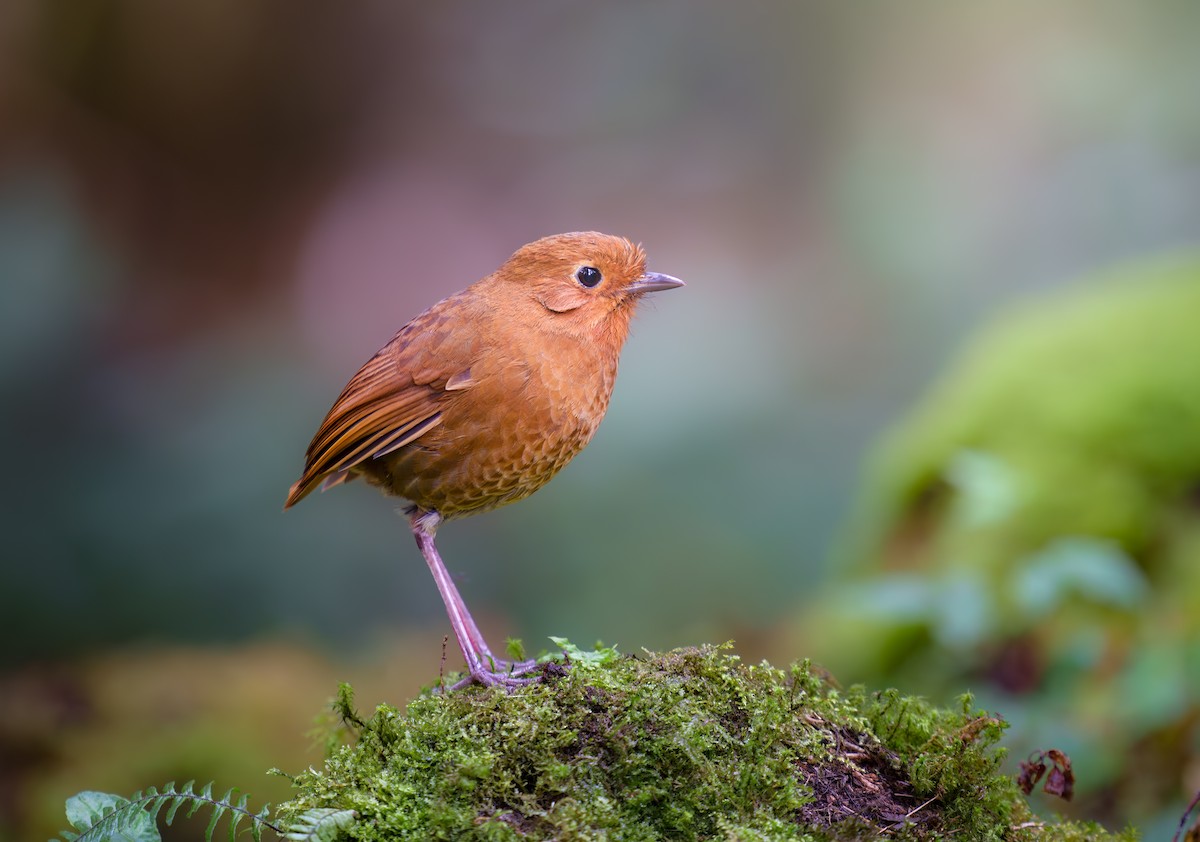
491 672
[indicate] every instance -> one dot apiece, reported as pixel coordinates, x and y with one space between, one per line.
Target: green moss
691 744
1089 399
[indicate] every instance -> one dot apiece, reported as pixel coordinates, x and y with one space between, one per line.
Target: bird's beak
653 282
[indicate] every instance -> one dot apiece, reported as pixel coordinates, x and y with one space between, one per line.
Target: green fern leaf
235 818
260 819
219 809
319 825
154 807
179 798
101 817
200 799
104 817
85 808
173 809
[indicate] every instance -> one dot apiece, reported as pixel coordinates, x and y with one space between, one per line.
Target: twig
442 665
1183 819
916 810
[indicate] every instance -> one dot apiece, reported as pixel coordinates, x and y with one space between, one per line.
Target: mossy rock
691 744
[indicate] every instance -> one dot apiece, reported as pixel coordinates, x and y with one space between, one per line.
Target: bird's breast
524 416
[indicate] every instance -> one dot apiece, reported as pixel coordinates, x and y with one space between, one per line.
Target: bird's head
583 282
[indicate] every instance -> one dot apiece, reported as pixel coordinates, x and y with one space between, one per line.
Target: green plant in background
120 721
1034 529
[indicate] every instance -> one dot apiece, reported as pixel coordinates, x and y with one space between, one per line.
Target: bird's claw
510 674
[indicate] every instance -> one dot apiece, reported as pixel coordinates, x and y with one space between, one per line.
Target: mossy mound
691 744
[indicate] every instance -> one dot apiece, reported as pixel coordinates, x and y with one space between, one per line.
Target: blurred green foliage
127 720
1033 531
196 254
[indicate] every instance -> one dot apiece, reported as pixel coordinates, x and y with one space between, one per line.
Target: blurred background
927 411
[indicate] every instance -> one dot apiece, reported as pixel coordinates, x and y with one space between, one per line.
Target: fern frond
177 799
99 816
321 824
259 822
160 798
220 805
205 797
235 818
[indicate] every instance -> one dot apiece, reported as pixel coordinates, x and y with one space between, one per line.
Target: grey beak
654 282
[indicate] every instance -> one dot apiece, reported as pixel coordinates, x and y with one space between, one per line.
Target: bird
480 400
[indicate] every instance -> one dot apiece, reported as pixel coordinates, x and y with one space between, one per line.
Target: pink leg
481 664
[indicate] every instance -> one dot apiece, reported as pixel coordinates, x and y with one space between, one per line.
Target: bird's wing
392 401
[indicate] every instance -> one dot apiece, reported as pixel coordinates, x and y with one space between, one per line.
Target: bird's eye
589 276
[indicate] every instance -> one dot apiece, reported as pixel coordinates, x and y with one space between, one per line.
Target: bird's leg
455 606
481 664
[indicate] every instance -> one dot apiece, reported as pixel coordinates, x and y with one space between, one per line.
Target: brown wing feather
392 401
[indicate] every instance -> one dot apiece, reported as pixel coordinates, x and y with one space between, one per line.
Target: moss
1088 399
690 744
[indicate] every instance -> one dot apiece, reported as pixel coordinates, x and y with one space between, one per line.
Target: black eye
589 276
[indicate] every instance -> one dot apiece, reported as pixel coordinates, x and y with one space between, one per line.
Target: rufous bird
481 399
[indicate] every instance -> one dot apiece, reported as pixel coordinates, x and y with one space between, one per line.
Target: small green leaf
260 818
600 656
1095 570
988 488
84 809
174 808
111 818
235 818
322 824
514 648
964 615
154 807
218 811
198 801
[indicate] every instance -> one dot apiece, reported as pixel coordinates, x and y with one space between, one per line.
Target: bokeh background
212 212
